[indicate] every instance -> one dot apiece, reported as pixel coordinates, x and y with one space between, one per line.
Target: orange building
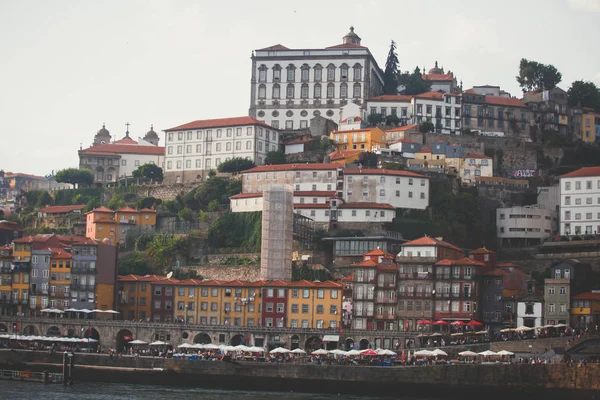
135 296
367 139
104 223
60 279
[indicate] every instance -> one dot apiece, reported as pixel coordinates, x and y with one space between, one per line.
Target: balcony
60 295
38 292
386 300
416 275
83 270
5 300
385 316
416 259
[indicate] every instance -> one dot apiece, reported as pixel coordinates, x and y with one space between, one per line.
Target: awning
331 338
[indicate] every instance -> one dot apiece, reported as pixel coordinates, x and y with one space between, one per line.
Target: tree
134 263
537 76
215 188
584 94
414 83
275 157
390 76
116 202
374 119
368 159
148 202
426 127
149 171
392 119
164 248
186 215
236 164
74 176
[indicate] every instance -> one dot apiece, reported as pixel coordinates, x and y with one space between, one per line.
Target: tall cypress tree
390 76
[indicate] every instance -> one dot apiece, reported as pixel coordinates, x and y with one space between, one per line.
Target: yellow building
104 223
588 128
5 280
367 139
344 157
20 274
454 163
585 310
135 296
60 279
314 305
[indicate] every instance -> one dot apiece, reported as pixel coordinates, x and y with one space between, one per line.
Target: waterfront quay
547 381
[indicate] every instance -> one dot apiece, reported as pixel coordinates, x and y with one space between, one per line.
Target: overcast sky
68 66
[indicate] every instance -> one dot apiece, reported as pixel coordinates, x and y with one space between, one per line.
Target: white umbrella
89 340
481 333
386 352
4 336
71 310
435 334
241 347
560 326
298 351
505 353
506 330
137 341
438 352
337 352
487 353
229 348
279 350
423 353
46 310
158 343
353 353
211 346
320 352
255 349
84 310
456 334
97 310
467 354
57 311
523 329
197 346
185 346
112 312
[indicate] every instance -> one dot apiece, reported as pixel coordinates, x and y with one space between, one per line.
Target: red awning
474 323
440 322
423 322
458 323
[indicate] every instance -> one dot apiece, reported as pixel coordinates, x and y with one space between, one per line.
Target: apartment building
525 226
580 202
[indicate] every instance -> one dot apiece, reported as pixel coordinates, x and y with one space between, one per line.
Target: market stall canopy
368 352
505 330
353 353
423 353
438 352
320 352
137 341
331 338
481 333
385 352
505 353
468 354
458 323
474 323
337 352
561 326
423 322
279 350
298 351
523 329
440 322
210 346
487 353
158 343
185 346
255 349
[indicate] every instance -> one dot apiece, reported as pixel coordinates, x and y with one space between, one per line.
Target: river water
100 391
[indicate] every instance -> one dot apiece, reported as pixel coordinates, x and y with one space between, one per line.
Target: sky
68 66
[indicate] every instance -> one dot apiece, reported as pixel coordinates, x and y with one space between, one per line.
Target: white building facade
527 225
580 202
474 166
195 148
530 312
290 86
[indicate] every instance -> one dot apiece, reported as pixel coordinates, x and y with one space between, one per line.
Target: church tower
351 37
151 136
102 136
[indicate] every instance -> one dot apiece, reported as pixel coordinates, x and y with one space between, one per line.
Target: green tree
390 76
116 202
149 171
275 157
43 200
392 119
164 248
426 127
148 202
414 83
584 94
215 188
237 230
74 176
368 159
373 119
186 215
213 206
134 263
234 186
236 164
393 166
537 76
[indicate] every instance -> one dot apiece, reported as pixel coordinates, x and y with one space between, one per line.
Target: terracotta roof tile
365 263
340 155
218 123
462 261
293 167
367 206
246 196
127 210
61 209
101 209
383 171
113 148
378 252
403 128
581 172
504 101
274 48
126 140
438 77
347 46
429 241
482 250
430 95
309 206
425 150
391 98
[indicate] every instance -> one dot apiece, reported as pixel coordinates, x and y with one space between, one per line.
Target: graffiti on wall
523 173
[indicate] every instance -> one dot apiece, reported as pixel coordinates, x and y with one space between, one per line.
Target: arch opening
237 340
313 343
295 342
202 338
30 330
124 336
53 331
349 344
363 344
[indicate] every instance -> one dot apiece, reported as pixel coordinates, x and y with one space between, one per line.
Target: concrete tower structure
277 233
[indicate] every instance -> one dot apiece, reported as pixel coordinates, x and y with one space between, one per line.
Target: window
290 91
318 73
276 91
317 91
330 91
280 307
295 308
305 293
304 308
551 308
551 290
320 309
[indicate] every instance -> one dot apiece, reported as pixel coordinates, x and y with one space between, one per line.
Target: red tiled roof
60 254
306 193
482 250
353 130
126 140
581 172
378 252
391 97
403 128
425 150
218 123
430 95
293 167
348 278
274 48
113 148
246 195
21 175
438 77
355 120
365 263
6 247
383 171
166 281
61 209
504 101
101 209
148 210
429 241
587 296
478 156
9 226
309 206
127 210
346 46
367 206
305 283
340 155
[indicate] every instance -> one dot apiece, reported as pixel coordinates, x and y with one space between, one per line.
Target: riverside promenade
515 380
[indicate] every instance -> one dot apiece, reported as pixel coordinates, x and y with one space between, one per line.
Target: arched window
276 73
343 90
262 73
304 91
290 91
331 72
356 90
276 93
330 91
344 72
318 73
305 73
357 72
262 91
317 93
291 73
